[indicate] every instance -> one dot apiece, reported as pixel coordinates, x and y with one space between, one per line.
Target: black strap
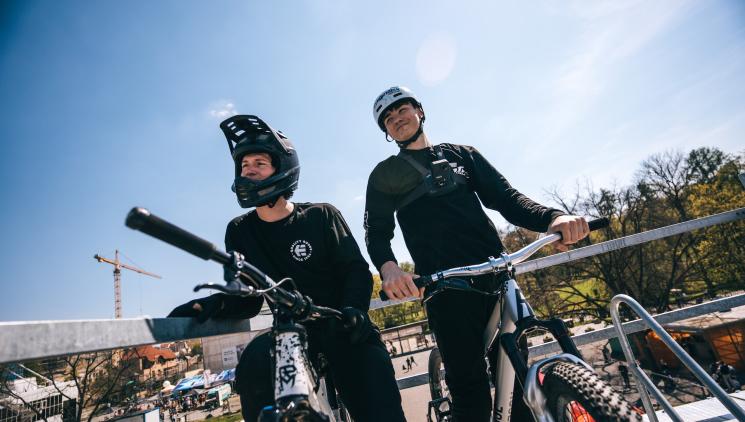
414 163
422 189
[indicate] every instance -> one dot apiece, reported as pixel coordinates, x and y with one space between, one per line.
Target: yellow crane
118 279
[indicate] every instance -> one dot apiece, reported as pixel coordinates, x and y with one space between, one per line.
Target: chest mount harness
439 179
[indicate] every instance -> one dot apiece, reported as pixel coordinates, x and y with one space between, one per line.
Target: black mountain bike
299 393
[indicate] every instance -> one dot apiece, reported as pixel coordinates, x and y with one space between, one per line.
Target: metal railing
647 386
21 341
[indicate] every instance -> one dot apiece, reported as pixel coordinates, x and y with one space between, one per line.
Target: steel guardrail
21 341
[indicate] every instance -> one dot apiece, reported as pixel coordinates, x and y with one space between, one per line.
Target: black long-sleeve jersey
313 246
449 230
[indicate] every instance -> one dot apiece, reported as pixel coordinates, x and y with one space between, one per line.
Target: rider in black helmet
249 134
312 244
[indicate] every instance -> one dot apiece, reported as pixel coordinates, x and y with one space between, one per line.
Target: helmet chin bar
252 193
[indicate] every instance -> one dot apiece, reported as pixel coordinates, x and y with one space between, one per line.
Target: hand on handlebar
397 283
219 306
202 309
572 228
357 324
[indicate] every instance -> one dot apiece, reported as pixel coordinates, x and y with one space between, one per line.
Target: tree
91 380
669 188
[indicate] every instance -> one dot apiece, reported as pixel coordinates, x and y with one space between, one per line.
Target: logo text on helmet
388 92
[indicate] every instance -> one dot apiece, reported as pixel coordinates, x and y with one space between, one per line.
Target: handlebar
497 264
247 277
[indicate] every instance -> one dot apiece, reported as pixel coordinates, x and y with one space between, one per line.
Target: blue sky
107 105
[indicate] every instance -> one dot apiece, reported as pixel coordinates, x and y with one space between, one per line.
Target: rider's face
257 166
403 121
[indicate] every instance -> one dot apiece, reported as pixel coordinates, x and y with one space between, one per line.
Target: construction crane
118 279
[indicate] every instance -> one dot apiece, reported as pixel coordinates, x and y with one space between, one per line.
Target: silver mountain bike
558 388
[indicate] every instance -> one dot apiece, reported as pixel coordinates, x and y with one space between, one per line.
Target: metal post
645 382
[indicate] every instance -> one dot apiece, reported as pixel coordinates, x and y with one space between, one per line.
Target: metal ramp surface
707 410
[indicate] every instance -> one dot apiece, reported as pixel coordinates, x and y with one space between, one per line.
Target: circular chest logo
301 250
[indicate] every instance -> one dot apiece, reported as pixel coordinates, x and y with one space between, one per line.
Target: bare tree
91 380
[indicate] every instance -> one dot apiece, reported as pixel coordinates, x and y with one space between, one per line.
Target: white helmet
389 97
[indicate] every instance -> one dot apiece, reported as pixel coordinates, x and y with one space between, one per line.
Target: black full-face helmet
249 134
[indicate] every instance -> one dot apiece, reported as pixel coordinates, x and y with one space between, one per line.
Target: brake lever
233 287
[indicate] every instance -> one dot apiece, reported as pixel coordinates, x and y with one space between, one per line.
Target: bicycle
558 388
299 393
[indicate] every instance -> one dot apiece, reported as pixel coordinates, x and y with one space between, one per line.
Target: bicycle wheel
437 386
575 393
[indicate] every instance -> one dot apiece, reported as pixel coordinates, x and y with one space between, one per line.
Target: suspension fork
293 377
509 342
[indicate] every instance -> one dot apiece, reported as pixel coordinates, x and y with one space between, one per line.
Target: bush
588 329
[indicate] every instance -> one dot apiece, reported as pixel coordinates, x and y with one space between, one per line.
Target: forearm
496 193
379 226
357 291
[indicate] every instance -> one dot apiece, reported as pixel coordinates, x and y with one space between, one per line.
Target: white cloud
223 109
435 59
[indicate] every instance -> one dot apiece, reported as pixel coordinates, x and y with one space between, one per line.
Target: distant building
29 401
156 364
224 352
719 336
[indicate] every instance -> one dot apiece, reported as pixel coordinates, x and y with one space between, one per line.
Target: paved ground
414 399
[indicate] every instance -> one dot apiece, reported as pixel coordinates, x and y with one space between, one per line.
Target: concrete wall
223 352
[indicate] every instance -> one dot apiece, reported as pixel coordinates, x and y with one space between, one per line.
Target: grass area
233 417
586 287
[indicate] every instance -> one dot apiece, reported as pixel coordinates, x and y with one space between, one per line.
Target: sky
108 105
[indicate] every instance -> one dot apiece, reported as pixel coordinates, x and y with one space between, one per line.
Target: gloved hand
357 323
202 309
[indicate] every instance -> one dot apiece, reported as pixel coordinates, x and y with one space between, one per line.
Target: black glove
357 324
201 309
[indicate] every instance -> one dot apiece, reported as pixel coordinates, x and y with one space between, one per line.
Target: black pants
362 373
458 320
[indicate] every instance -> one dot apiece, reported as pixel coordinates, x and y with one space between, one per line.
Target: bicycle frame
512 316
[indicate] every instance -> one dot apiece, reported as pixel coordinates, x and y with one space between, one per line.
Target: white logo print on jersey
301 250
459 170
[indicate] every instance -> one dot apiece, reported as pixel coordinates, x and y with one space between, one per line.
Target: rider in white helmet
436 193
391 99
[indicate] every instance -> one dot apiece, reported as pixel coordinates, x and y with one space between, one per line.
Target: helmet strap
414 137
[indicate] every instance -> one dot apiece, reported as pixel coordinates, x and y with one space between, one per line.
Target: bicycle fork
294 379
507 362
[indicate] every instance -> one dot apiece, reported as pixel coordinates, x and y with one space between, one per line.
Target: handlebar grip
422 281
142 220
598 223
